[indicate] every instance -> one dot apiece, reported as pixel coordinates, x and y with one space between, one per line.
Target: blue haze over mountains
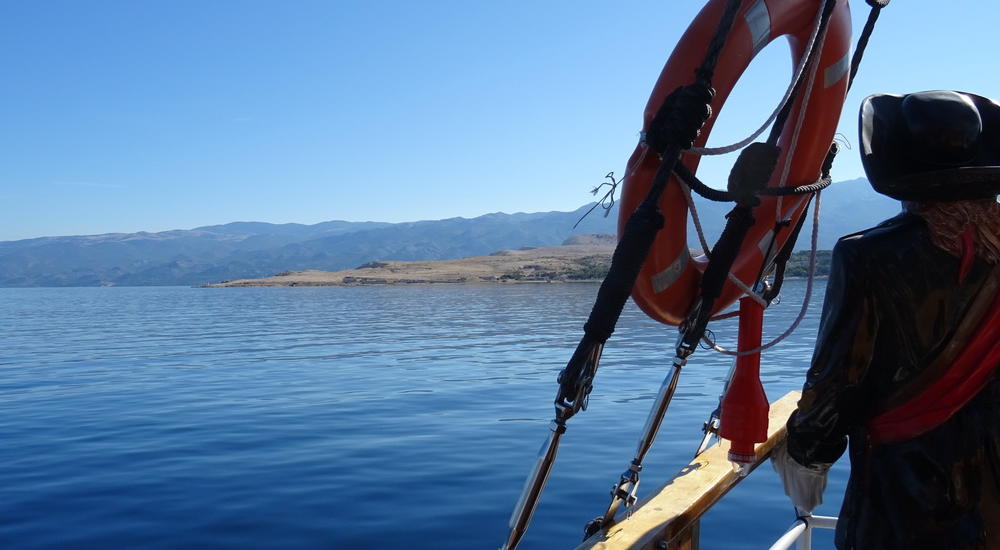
255 249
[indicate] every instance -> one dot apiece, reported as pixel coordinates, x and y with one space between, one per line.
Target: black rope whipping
726 249
637 239
673 122
706 70
738 223
679 121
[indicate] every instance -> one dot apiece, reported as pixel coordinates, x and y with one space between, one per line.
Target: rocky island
580 258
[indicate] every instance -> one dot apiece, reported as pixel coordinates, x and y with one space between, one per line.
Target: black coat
893 304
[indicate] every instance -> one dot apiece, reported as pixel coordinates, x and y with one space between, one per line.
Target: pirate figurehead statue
907 360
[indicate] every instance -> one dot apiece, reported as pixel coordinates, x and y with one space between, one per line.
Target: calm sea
343 417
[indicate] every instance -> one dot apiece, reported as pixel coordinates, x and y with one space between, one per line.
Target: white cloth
803 484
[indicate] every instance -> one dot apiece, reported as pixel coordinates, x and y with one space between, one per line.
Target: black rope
817 185
859 50
706 70
701 188
688 109
672 123
781 260
705 191
778 226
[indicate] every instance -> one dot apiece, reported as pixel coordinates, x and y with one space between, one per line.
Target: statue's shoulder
891 237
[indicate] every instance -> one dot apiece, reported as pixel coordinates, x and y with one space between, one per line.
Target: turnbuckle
533 486
575 384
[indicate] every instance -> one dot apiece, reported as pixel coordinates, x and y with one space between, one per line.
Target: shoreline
248 284
555 264
569 263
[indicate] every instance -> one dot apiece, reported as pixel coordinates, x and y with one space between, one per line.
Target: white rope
727 315
800 119
707 151
694 218
747 290
805 302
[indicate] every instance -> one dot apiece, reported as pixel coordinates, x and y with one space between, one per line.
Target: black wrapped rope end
631 252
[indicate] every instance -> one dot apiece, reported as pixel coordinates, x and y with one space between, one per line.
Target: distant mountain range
243 250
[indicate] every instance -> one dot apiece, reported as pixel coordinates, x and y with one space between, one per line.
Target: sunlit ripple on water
339 417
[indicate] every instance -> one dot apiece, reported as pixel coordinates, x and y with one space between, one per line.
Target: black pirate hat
931 146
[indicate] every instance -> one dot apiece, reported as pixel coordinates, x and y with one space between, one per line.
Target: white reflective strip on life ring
759 22
833 73
662 280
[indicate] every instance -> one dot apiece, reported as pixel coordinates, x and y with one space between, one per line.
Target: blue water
342 417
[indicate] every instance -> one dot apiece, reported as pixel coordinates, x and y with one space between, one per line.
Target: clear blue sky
120 116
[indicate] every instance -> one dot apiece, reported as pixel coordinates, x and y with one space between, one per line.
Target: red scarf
949 393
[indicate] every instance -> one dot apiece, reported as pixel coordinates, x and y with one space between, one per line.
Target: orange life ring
668 283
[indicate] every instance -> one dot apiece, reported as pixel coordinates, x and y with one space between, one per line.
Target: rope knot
680 118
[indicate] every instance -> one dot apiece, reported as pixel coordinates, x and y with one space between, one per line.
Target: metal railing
800 533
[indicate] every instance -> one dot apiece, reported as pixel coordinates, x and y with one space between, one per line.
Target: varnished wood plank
668 517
